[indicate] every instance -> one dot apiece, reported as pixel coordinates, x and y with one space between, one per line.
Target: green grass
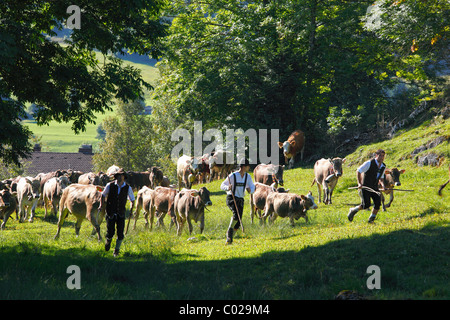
313 260
59 137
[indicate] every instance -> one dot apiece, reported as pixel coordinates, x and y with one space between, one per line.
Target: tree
128 139
274 64
67 82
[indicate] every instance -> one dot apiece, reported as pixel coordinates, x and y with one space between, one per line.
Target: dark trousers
111 223
366 195
236 211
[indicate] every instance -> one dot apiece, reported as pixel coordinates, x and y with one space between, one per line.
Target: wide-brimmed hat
120 171
244 162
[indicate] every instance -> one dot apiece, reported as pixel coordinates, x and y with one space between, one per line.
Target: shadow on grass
414 264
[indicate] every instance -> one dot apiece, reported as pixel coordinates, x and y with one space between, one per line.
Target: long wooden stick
235 204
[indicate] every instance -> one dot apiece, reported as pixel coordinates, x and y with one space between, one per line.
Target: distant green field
59 137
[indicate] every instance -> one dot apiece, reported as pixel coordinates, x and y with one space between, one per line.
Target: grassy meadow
314 260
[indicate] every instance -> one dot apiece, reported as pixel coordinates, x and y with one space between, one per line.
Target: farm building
51 161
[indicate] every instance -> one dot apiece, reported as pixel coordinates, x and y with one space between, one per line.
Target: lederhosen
239 201
115 211
370 180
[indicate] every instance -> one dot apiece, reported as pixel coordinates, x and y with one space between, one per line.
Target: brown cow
292 146
268 174
137 179
52 192
190 204
288 205
8 204
443 186
163 203
391 179
156 177
327 173
258 198
144 199
82 201
27 196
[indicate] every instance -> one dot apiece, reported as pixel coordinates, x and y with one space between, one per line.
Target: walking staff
235 185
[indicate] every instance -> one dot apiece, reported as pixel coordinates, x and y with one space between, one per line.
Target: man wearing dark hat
116 194
236 184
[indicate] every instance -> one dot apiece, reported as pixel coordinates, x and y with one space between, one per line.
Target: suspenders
240 184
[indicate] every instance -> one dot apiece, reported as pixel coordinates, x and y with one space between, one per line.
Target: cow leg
319 191
391 198
190 226
202 223
78 226
45 199
382 201
136 215
252 207
291 220
5 218
33 210
62 216
180 226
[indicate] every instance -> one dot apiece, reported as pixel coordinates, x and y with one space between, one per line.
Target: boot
117 248
372 218
352 213
108 244
230 235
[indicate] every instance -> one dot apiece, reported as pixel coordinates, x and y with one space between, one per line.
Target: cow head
395 174
64 182
336 168
308 201
203 193
36 185
286 146
5 198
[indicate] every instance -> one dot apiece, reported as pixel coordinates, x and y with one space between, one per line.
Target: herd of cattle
80 193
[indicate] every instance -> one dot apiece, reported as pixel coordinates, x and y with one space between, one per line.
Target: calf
163 203
292 146
27 196
258 198
83 202
269 174
144 200
52 192
8 204
190 204
391 179
288 205
327 173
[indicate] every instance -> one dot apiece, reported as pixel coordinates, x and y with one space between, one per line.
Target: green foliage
67 83
128 136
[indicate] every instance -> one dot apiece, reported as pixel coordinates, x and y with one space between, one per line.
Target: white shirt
130 190
240 191
366 165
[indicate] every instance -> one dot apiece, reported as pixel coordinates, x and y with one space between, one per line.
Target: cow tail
314 181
